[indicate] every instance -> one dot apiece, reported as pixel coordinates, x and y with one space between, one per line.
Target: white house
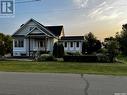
33 36
72 43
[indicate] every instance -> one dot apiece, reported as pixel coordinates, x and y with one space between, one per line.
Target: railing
39 49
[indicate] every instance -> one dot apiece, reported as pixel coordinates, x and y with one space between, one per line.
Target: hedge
86 58
80 58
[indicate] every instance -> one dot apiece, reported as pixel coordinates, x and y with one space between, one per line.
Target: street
60 84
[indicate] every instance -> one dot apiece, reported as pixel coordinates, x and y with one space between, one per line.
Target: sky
101 17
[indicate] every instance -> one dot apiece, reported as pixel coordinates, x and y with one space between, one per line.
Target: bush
58 50
90 58
44 52
103 58
73 53
87 58
45 57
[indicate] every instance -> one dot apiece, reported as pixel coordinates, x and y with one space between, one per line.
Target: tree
55 50
112 48
5 44
91 44
122 39
84 47
58 50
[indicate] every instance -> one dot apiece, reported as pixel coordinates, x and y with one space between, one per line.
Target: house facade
33 36
72 43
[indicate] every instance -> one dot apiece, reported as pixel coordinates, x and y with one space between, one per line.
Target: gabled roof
73 38
56 30
42 27
53 31
40 32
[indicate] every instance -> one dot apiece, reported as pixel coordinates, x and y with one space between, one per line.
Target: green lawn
64 67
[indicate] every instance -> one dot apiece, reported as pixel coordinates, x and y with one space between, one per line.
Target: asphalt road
60 84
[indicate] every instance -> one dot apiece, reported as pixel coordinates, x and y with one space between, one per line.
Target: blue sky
101 17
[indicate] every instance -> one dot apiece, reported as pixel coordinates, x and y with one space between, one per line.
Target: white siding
74 48
17 51
50 44
26 29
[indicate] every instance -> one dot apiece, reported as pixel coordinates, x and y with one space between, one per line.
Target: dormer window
31 28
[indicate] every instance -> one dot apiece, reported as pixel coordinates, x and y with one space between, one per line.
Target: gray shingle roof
72 38
53 31
56 30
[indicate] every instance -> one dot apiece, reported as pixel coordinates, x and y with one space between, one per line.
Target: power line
60 11
28 1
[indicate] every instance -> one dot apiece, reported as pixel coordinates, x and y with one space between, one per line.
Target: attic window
31 28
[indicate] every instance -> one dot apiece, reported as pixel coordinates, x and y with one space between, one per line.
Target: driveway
60 84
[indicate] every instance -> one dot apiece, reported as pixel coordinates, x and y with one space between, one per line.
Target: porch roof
37 33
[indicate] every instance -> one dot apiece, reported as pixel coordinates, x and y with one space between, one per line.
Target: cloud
102 4
110 17
81 3
106 11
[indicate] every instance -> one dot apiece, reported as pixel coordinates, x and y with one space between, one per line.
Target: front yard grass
64 67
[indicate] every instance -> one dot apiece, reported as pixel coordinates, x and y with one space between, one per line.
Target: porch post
45 44
29 46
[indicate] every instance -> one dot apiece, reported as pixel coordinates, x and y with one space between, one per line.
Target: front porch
37 44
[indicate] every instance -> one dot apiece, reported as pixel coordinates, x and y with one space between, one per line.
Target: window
31 28
65 44
71 44
19 43
77 44
16 44
41 43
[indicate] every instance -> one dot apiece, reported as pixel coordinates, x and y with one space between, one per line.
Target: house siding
17 51
26 29
74 48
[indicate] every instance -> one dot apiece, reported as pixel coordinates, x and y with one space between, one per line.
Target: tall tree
58 50
122 39
5 44
91 44
112 47
55 49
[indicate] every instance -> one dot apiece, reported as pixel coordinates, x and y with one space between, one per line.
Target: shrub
45 57
55 48
103 58
44 52
73 53
90 58
58 50
87 58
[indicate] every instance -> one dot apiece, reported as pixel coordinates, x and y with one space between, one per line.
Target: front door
40 45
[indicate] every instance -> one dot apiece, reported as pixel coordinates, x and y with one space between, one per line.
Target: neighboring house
72 43
33 36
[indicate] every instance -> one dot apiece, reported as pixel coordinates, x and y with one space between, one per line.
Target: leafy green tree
58 50
91 44
112 48
5 44
55 48
61 50
84 47
122 39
